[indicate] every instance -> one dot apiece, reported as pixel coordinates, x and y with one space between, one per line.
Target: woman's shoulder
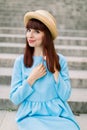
62 59
19 59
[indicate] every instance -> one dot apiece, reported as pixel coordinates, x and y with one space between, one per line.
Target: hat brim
45 20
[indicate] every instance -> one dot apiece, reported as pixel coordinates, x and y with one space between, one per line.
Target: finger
40 65
43 71
42 74
43 68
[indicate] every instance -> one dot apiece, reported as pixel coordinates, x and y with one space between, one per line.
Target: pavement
7 120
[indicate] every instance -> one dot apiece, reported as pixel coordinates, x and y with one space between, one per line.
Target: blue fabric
44 105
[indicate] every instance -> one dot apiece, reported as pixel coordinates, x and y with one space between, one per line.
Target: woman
40 80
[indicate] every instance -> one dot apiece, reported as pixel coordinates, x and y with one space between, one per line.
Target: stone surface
69 14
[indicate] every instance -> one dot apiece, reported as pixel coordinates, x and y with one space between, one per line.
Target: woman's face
34 37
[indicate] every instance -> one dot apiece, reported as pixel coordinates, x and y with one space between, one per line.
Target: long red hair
52 59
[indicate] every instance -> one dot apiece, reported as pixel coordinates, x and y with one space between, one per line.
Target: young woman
40 80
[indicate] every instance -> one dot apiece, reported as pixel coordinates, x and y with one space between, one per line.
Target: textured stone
69 14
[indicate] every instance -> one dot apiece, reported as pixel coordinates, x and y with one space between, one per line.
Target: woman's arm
20 90
63 86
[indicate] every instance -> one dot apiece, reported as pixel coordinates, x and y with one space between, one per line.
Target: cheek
26 36
41 38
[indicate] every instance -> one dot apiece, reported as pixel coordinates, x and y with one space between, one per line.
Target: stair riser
12 40
77 65
78 107
5 80
13 31
71 42
13 50
72 52
75 83
11 24
72 65
6 104
79 83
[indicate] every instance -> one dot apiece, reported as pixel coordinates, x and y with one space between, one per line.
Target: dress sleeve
20 90
63 85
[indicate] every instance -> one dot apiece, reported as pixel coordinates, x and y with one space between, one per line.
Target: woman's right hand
38 72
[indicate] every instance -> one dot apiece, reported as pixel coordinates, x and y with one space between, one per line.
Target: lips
31 41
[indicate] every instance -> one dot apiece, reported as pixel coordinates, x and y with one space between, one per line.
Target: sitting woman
40 80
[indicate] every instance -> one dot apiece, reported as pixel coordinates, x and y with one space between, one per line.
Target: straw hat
45 17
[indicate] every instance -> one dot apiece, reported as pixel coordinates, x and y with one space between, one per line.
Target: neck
38 51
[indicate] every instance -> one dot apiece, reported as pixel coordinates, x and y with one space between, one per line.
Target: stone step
80 41
72 33
63 49
72 50
12 38
15 30
78 77
11 10
60 10
11 24
77 100
61 40
9 15
14 48
75 63
7 120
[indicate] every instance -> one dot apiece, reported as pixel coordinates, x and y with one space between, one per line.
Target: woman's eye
33 30
37 31
28 30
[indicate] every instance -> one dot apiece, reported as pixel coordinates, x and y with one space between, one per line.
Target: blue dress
44 105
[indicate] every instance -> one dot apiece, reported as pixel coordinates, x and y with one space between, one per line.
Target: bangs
36 24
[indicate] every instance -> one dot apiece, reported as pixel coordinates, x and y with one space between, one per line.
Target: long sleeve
63 86
20 90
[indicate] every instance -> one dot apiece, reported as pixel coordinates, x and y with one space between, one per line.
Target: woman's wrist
31 81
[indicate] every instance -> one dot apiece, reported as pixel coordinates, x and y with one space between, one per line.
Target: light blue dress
44 105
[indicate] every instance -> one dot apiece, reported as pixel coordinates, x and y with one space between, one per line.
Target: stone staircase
71 42
75 52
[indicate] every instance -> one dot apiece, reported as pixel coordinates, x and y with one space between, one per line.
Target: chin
31 45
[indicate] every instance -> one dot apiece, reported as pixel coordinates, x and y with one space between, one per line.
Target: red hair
52 59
